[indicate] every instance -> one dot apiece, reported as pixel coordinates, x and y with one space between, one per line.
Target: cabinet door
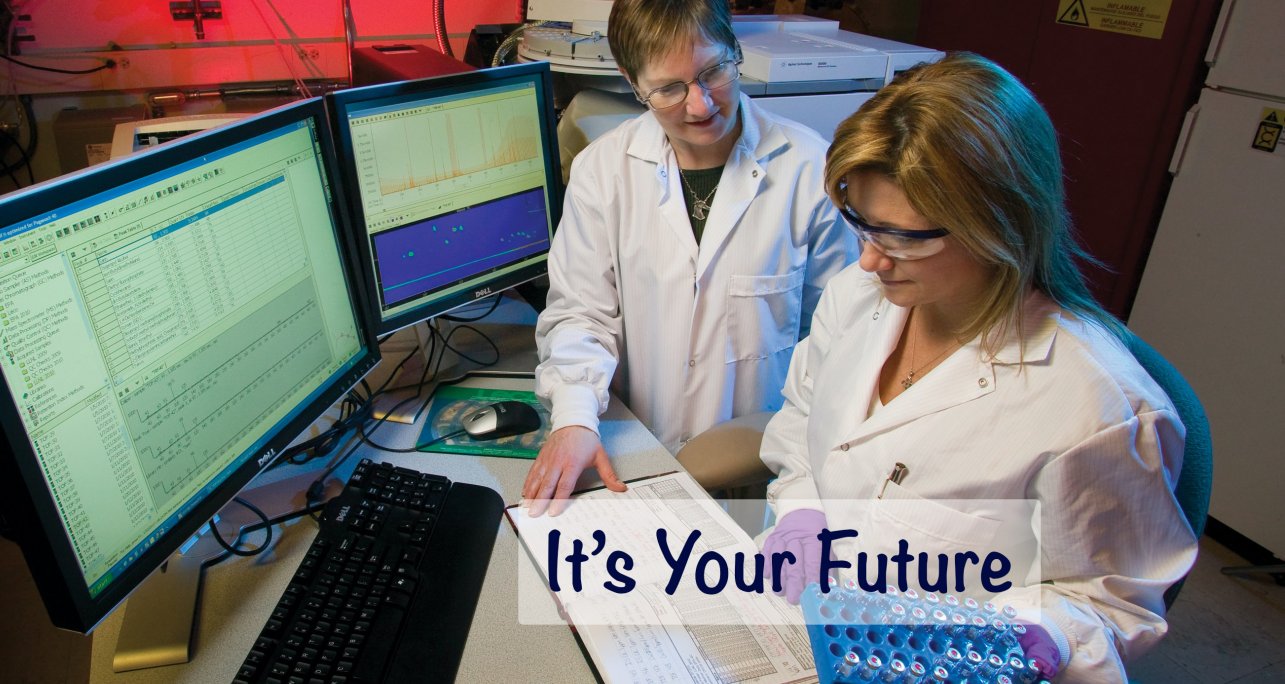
1212 301
1117 101
1245 52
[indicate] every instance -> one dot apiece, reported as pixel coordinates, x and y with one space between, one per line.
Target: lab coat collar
743 175
1042 317
965 375
962 376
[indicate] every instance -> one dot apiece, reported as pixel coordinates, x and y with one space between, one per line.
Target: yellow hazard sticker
1145 18
1269 129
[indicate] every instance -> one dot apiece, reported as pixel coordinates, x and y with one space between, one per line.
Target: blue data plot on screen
450 249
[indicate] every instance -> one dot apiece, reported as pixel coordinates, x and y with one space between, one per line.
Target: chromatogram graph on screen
437 153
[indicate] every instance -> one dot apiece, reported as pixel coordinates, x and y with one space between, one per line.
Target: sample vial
848 665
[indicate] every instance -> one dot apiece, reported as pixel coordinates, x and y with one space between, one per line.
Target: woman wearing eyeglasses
964 359
693 246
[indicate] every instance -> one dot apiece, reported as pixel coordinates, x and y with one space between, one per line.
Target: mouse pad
451 403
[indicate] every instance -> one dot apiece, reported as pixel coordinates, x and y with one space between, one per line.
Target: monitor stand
157 627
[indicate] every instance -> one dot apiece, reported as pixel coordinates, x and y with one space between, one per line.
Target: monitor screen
168 323
455 181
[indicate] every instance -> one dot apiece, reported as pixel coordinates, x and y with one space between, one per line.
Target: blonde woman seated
966 346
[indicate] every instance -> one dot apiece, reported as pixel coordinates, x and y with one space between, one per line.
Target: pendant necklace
700 207
910 377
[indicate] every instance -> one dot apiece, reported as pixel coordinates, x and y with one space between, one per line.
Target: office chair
726 456
1195 480
724 460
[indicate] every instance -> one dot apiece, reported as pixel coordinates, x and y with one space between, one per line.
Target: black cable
24 158
418 448
30 111
234 550
107 64
446 342
27 151
322 444
13 177
318 486
255 527
396 370
352 410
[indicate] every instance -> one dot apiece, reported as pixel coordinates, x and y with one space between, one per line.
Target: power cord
316 490
107 64
318 486
235 549
361 409
264 523
26 112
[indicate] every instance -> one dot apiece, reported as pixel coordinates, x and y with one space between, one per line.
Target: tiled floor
1222 629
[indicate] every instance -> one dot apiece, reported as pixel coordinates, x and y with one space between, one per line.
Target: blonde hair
639 31
974 152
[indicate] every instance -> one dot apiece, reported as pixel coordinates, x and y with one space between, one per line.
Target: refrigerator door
1245 51
1211 302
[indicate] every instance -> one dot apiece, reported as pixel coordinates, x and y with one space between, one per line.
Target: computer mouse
503 419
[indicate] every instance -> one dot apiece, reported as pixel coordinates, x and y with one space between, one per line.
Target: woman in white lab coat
694 243
966 355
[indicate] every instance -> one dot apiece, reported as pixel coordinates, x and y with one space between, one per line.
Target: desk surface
238 595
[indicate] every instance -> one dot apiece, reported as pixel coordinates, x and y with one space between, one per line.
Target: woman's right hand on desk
565 454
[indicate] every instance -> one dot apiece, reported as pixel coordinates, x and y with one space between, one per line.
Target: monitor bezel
341 102
30 513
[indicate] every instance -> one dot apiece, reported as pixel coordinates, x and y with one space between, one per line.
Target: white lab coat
1077 425
701 334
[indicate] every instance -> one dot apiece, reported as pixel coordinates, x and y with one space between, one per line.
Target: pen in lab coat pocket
896 476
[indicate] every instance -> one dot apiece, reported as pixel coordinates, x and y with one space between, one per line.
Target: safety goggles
675 93
905 245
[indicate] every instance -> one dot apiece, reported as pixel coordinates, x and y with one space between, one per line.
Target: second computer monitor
455 180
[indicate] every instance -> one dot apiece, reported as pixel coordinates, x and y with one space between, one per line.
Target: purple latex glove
1039 646
797 534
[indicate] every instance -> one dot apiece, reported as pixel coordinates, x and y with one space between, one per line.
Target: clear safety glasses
675 93
905 245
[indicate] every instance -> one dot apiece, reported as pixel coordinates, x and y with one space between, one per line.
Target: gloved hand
1039 646
797 534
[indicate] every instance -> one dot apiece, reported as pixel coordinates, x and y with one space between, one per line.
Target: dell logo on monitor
477 294
267 457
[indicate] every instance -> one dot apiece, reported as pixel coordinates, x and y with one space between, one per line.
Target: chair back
1195 480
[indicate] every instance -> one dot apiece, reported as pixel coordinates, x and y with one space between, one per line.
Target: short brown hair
642 30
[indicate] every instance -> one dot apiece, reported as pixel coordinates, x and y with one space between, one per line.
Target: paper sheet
648 635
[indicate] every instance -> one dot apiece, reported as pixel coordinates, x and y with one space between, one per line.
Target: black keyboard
387 590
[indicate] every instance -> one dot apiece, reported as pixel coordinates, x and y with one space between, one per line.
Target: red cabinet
1117 100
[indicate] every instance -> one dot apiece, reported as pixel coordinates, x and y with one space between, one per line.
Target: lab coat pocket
763 314
931 527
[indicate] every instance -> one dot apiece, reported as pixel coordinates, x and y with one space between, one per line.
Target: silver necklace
700 207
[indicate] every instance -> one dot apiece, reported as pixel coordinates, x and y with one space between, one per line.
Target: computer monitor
455 182
169 322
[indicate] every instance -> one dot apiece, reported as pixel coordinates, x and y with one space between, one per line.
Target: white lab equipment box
782 57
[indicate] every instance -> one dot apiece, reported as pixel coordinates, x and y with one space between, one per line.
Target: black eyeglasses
675 93
905 245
